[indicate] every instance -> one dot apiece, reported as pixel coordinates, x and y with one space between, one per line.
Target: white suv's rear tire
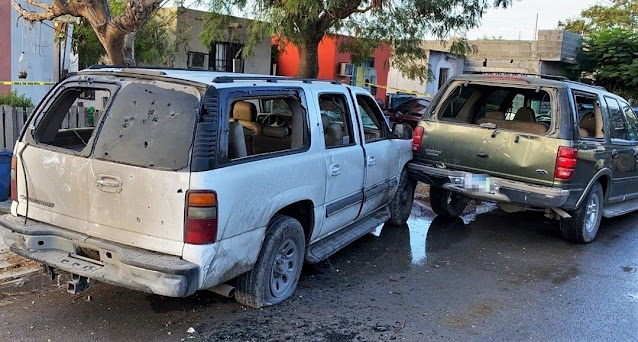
584 222
447 203
274 277
401 204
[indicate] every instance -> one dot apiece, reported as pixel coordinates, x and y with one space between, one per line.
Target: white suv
186 180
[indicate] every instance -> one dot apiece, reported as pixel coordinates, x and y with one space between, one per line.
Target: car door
139 173
344 161
632 136
55 155
382 154
623 151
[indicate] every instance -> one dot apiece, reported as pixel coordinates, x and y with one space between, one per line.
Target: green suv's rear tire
274 277
447 203
401 204
584 222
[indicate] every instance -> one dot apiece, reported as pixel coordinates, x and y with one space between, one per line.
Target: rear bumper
506 191
119 265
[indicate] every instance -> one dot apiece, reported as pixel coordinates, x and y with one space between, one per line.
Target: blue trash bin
5 174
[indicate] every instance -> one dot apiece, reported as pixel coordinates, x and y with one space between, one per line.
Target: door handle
372 160
108 183
614 154
335 169
482 154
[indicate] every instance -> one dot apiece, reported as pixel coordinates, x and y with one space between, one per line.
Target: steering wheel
275 120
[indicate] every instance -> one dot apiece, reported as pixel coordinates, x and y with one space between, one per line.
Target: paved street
488 276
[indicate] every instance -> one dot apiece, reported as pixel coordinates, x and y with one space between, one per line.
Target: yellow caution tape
400 89
26 83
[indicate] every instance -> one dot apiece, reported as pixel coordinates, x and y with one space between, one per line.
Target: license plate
478 183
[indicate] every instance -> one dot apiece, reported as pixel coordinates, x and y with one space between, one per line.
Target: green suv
530 142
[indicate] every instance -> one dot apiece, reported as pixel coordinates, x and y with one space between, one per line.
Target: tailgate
500 153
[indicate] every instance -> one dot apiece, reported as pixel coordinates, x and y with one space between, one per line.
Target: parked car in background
410 111
192 179
530 142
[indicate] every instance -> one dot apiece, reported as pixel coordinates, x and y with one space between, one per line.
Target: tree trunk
308 60
118 46
129 49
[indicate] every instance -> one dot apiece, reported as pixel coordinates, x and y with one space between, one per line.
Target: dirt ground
488 276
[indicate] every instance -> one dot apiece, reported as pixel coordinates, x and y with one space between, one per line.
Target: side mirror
403 131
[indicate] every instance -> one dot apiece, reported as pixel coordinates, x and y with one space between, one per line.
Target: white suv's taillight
14 184
200 226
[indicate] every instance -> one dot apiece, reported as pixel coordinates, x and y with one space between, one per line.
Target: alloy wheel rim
591 214
284 268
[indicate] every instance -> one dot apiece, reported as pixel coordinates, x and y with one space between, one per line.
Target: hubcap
591 215
284 268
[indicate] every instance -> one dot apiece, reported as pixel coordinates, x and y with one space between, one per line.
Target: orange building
335 65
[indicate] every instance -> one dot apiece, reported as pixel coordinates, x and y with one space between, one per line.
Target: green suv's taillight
565 162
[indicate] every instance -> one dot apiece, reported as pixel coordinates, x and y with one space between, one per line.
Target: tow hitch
78 284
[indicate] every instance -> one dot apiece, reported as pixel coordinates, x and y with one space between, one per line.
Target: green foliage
621 14
155 42
401 24
612 56
14 100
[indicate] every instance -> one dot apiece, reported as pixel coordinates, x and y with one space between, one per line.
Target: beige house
222 55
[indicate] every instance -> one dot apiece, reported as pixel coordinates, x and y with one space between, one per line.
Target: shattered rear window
150 124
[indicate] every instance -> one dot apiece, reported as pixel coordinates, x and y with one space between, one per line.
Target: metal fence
12 120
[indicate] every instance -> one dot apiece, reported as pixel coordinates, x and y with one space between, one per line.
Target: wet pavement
488 276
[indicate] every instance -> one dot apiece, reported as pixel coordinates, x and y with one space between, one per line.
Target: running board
328 246
620 208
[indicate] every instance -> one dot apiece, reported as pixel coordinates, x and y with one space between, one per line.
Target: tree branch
37 4
50 13
136 14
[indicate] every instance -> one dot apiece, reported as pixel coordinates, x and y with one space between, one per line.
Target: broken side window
69 122
264 125
150 124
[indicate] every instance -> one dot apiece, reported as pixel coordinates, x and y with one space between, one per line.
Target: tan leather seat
246 114
525 114
332 132
587 127
491 116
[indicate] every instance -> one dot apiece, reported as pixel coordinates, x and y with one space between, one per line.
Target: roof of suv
532 79
200 76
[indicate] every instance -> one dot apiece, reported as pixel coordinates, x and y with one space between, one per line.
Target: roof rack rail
504 73
273 79
104 66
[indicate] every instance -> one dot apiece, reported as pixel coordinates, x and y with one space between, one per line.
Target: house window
222 55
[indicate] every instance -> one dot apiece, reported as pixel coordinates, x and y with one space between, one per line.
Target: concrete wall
192 22
39 53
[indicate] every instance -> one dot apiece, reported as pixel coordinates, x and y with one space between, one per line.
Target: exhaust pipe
78 284
223 290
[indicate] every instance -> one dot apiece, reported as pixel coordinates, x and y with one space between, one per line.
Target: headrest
525 114
275 132
243 110
325 121
333 135
495 115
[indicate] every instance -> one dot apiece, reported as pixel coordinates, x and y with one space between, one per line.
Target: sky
519 19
